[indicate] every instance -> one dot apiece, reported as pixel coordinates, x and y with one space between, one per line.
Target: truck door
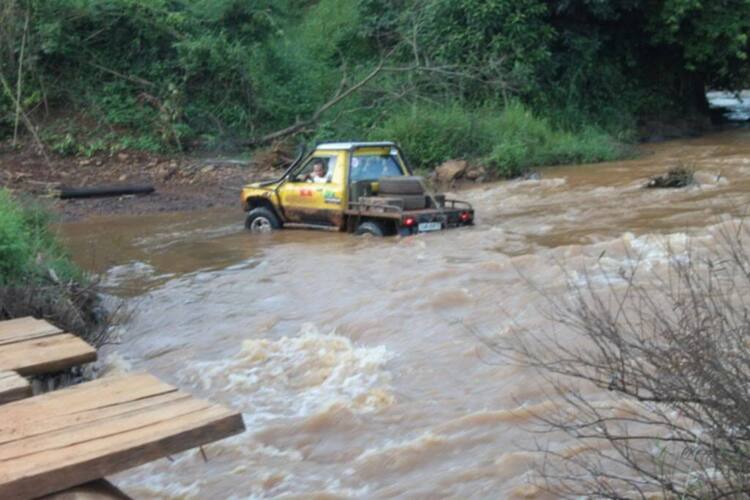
310 198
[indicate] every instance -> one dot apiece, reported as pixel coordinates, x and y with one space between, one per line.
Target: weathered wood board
13 387
69 437
32 346
19 329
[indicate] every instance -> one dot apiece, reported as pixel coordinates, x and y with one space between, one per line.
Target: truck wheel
262 220
372 228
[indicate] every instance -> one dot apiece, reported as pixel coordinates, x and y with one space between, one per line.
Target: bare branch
19 79
26 120
672 352
300 125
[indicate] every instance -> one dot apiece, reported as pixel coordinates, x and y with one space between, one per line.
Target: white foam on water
114 364
643 254
166 239
423 442
554 182
653 249
134 270
708 180
299 376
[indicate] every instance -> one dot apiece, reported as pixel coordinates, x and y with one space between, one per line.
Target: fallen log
92 192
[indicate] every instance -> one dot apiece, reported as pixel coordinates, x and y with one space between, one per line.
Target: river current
361 365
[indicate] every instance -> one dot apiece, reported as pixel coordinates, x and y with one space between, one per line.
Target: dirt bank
182 182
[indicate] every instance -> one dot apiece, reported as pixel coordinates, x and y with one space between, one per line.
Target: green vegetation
38 278
29 250
509 139
101 75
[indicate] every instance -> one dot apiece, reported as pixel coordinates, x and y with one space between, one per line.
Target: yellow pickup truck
358 187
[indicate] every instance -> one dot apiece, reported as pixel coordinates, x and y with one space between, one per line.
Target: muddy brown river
358 363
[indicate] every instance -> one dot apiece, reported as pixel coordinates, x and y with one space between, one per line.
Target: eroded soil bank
182 183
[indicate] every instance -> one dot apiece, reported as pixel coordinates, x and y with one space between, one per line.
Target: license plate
430 226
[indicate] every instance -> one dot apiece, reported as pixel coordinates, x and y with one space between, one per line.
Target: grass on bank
508 141
38 277
29 250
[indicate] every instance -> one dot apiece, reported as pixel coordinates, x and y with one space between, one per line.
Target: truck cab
359 187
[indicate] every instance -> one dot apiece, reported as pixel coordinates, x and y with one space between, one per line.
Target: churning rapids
357 362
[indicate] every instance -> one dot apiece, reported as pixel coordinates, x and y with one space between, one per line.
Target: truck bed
454 213
395 212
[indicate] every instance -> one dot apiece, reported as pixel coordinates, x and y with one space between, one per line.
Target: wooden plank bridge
78 435
31 346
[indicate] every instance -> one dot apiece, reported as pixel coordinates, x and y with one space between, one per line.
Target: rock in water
675 178
474 173
450 170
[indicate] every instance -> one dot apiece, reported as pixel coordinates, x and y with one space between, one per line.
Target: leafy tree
181 72
505 40
671 50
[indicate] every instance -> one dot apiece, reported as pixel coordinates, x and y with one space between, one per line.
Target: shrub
29 250
431 135
669 352
525 140
509 141
38 278
15 247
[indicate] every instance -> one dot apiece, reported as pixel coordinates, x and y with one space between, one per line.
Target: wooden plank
105 391
46 354
100 489
54 421
22 329
106 436
13 387
97 428
76 464
54 410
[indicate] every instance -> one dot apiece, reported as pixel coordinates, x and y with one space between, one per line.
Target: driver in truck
318 174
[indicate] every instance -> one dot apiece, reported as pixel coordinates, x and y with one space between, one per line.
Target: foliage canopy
182 73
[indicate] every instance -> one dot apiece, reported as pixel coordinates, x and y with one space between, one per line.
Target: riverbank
182 183
38 277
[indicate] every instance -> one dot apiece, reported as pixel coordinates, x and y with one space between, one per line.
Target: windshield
373 167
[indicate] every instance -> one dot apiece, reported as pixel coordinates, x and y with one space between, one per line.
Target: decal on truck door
331 197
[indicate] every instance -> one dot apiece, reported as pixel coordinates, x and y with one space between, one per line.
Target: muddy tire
372 228
410 185
262 220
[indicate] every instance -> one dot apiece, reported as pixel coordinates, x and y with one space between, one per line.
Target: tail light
465 216
409 222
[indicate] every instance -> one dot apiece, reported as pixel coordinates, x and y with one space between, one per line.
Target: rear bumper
447 218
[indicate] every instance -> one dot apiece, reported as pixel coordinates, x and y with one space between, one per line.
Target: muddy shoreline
182 183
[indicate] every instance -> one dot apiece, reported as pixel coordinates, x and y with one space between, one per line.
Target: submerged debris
677 177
